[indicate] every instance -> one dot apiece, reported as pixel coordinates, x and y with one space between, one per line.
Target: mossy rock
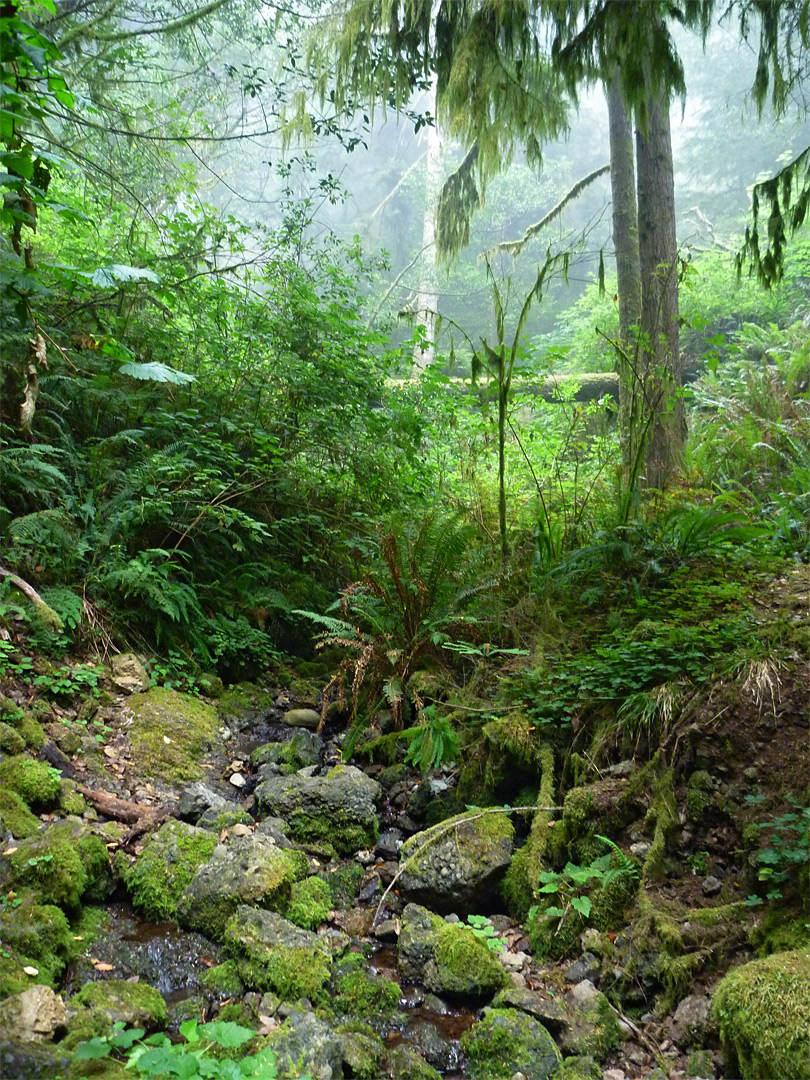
594 1030
577 1068
698 794
405 1064
15 817
457 865
344 884
170 733
449 959
166 868
70 801
215 819
50 866
243 704
248 870
310 903
302 749
507 1041
362 1050
100 1005
306 1045
224 979
36 783
36 935
274 954
27 726
365 996
96 862
11 742
763 1013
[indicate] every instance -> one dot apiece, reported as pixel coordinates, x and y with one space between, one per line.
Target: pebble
238 780
387 930
640 849
711 886
240 829
614 1074
513 961
365 858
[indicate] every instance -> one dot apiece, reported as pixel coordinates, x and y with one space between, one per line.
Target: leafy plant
571 885
482 927
433 743
156 1056
788 848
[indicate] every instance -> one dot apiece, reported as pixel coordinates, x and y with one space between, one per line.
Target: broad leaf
226 1033
155 372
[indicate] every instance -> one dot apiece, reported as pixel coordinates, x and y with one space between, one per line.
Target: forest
405 539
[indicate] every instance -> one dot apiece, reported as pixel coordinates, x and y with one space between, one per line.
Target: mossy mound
170 732
362 1050
506 1041
362 995
167 866
594 1030
405 1064
34 935
15 817
763 1012
70 801
11 742
273 954
248 870
96 862
243 704
224 979
449 959
22 722
310 903
99 1005
344 884
578 1068
37 784
50 866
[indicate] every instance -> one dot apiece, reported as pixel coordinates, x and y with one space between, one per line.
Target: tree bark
628 271
427 303
659 356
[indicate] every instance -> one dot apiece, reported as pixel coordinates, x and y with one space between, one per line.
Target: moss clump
37 935
51 867
507 1041
217 820
343 884
170 732
96 862
405 1064
224 979
100 1005
244 701
362 1050
272 954
595 1030
22 722
70 801
763 1012
167 866
310 903
515 888
340 831
15 817
362 995
463 965
578 1068
37 784
11 742
698 794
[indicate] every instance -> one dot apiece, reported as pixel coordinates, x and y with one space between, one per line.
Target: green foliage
433 743
156 1056
482 927
787 851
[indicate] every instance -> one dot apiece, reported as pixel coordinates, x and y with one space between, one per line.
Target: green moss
236 1012
515 888
362 1050
343 884
51 866
365 996
553 940
507 1041
465 964
763 1012
698 794
663 817
577 1068
577 808
166 867
11 742
224 979
99 1005
70 801
37 935
293 971
595 1032
244 700
170 732
339 830
96 862
91 924
781 930
15 817
22 722
310 903
215 822
700 1064
405 1064
37 784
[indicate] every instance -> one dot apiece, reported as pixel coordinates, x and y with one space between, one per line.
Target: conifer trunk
428 300
659 357
628 272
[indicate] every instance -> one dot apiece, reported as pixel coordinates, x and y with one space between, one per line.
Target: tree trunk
659 356
628 272
427 303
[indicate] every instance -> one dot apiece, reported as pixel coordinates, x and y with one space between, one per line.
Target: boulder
550 1013
195 799
405 1064
593 1030
336 808
506 1042
128 674
166 868
272 953
33 1016
761 1010
100 1005
169 733
305 1043
448 958
305 718
302 749
248 870
458 864
692 1020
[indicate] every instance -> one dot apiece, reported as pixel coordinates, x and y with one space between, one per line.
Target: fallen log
131 813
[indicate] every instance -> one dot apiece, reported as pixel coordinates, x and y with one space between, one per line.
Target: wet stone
586 967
